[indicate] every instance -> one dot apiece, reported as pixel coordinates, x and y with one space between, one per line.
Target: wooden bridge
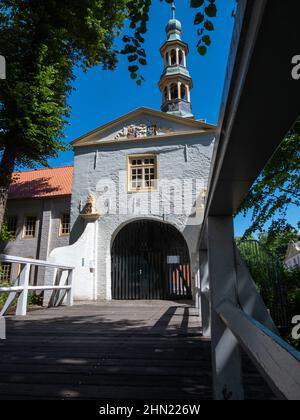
154 350
125 350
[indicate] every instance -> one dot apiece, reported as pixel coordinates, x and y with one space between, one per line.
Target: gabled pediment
143 123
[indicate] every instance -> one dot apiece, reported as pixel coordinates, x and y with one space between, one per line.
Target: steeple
175 83
173 10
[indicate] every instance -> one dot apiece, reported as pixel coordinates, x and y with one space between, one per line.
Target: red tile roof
42 183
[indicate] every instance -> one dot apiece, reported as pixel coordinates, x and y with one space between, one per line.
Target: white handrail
39 263
33 288
278 362
21 287
239 318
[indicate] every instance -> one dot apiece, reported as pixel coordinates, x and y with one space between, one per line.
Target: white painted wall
180 157
83 256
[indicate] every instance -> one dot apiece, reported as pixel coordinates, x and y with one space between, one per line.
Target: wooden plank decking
108 350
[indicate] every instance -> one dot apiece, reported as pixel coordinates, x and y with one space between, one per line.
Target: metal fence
268 273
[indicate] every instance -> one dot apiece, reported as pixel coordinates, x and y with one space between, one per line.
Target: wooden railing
62 288
235 314
232 311
278 363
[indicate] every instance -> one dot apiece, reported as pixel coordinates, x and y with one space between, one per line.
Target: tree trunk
6 170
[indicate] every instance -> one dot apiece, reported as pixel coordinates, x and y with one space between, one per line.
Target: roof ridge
43 169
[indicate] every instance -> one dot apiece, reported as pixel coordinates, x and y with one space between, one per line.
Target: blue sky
101 96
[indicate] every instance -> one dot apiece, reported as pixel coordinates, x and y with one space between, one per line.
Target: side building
37 216
292 258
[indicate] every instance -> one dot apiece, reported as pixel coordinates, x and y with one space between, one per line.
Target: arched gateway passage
150 260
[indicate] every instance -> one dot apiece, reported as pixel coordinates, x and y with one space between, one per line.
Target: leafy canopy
5 234
276 241
277 189
43 42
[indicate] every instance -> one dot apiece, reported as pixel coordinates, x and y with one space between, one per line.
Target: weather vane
173 9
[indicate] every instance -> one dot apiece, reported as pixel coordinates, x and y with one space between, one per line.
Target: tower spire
175 83
173 10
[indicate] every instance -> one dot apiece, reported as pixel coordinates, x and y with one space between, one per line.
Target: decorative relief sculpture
142 130
89 211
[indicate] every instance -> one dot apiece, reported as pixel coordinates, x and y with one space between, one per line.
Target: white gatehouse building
128 215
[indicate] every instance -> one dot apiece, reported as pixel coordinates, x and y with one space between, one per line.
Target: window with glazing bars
64 229
5 272
142 173
12 225
30 227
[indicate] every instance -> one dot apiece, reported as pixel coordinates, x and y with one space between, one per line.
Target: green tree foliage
277 239
5 234
277 285
43 41
277 188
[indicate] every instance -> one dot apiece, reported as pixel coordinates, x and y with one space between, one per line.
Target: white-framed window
143 173
29 229
12 225
65 223
5 272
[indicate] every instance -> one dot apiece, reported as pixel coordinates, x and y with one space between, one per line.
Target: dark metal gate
150 260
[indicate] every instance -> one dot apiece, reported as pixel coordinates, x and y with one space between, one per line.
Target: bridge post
2 328
24 282
226 358
197 291
205 295
70 293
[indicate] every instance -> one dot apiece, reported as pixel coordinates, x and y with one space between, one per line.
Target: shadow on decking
111 352
105 356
